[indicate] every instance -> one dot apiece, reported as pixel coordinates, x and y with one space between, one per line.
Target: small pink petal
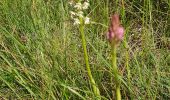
119 33
110 35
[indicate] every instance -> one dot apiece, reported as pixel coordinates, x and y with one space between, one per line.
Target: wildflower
72 14
87 20
71 3
76 21
85 5
116 31
78 6
80 14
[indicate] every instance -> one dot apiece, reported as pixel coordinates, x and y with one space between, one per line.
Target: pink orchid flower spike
116 31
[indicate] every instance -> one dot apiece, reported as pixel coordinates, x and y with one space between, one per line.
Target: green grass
41 56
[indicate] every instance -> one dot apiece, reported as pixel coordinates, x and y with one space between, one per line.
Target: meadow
42 57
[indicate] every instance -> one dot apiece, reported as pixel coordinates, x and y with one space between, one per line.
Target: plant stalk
93 84
115 72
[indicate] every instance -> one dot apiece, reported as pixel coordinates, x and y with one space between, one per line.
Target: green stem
115 72
95 88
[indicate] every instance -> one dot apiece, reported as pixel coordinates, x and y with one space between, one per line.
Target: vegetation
41 53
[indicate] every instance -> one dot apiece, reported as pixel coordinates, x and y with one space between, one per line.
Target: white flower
80 14
72 14
78 6
87 20
76 21
85 5
71 3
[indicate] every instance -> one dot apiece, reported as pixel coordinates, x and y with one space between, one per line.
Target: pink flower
116 31
120 33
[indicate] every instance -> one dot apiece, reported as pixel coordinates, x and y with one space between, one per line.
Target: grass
41 56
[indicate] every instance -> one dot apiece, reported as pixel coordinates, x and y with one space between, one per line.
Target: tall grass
41 55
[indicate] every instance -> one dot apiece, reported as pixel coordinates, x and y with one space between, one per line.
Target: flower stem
115 72
92 82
